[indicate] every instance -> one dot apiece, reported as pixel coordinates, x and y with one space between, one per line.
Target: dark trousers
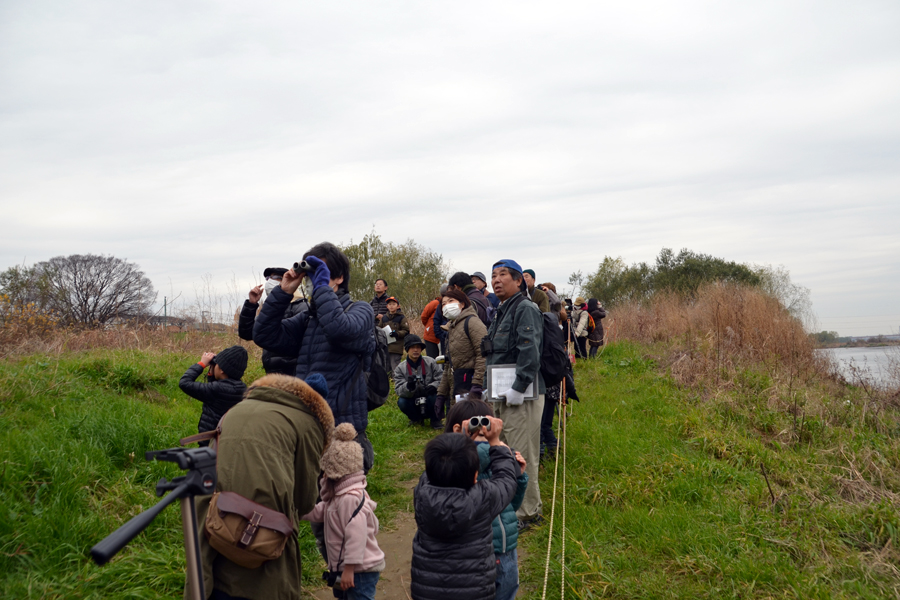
581 347
594 350
432 349
548 439
418 412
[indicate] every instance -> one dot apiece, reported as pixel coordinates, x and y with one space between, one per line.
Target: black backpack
377 382
554 357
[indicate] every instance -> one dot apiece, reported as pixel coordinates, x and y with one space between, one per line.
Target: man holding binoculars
334 337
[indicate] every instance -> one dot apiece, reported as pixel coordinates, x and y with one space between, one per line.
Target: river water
874 361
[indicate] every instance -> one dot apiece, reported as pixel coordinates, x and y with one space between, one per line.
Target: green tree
414 273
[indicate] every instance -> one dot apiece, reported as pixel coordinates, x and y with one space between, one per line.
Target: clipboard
500 378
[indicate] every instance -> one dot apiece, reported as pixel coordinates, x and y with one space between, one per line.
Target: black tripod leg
192 548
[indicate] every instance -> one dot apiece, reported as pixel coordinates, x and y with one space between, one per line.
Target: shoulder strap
466 326
362 501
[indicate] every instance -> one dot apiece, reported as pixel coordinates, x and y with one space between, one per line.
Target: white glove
512 397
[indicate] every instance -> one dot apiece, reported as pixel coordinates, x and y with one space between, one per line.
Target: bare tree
92 290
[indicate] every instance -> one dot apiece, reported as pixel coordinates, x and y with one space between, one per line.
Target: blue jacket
331 338
506 525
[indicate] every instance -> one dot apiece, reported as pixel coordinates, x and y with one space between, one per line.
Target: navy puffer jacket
330 338
453 553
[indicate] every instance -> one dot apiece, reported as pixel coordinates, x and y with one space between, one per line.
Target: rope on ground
560 433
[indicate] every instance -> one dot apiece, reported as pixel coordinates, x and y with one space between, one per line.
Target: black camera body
330 577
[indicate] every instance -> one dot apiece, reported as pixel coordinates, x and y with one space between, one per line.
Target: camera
475 423
330 577
487 346
304 267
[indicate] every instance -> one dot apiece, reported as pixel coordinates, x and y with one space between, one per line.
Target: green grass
73 432
664 494
665 499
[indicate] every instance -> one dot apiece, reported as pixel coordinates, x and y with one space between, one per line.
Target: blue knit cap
508 263
317 382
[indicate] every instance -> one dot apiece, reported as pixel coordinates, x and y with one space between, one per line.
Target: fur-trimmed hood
294 392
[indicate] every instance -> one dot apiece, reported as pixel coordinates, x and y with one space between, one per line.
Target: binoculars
475 422
303 266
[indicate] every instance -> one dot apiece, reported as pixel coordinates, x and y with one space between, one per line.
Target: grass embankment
666 498
73 431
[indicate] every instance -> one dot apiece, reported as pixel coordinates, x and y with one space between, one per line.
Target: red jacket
428 321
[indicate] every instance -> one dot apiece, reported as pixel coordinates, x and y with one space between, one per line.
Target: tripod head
200 480
200 464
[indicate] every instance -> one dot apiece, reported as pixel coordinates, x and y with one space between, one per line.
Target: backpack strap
362 501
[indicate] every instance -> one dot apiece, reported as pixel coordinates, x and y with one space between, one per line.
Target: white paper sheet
502 378
390 334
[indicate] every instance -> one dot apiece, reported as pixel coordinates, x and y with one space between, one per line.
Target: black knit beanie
233 361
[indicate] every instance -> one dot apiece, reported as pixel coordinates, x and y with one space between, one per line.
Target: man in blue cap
514 338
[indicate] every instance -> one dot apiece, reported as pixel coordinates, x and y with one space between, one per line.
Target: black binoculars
303 266
487 346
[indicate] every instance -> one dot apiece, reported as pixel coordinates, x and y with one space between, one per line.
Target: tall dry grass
18 342
723 328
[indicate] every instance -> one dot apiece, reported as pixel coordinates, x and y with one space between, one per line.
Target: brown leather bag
246 533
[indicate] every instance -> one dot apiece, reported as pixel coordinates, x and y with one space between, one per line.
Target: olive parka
268 452
399 328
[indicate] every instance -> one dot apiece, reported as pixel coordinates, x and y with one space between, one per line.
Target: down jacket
272 363
506 525
268 452
464 351
427 318
217 396
453 553
334 337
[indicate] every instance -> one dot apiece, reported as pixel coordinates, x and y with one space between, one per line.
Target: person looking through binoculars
334 337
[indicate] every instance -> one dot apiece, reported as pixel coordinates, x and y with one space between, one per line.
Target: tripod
200 480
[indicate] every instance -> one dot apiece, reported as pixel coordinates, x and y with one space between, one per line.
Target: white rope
560 433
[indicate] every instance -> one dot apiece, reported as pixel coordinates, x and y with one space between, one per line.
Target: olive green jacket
399 326
268 452
540 297
517 340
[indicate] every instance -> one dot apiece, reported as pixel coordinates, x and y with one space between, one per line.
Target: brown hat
344 455
579 300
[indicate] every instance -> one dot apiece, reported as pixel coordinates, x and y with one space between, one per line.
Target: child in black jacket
453 553
224 388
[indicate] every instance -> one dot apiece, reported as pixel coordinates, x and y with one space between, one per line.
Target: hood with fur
294 392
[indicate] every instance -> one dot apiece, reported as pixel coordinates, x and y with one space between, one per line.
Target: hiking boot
523 525
437 424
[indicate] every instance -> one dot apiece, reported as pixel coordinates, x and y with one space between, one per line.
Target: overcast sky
223 137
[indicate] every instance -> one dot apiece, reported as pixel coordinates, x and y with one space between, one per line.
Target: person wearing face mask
334 337
272 363
465 366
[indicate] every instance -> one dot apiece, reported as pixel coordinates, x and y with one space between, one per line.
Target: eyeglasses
476 422
275 277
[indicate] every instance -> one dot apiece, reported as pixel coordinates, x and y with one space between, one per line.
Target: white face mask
451 311
270 285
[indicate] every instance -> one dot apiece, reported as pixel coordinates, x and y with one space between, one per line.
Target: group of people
295 441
